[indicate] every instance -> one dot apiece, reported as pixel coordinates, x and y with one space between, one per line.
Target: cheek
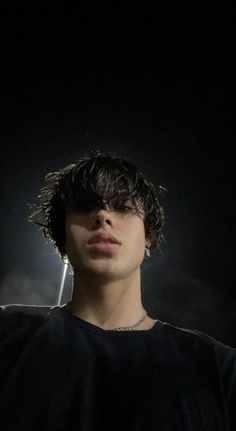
72 237
136 237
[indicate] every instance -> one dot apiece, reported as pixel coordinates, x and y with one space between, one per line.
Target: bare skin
107 284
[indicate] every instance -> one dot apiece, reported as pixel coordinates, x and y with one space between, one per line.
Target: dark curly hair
97 180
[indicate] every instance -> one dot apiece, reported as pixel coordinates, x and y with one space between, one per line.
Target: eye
124 209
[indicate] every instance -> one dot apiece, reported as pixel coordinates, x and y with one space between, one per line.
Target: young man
100 362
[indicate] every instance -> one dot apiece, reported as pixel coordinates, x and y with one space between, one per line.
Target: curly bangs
99 180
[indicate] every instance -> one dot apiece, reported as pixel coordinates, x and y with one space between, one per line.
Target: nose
101 217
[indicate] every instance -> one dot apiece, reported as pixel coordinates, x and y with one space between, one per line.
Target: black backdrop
153 84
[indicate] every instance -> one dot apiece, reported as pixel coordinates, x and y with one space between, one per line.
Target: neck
108 304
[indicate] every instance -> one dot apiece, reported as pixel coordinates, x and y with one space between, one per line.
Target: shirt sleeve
227 363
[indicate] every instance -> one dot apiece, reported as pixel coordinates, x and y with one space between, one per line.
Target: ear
147 243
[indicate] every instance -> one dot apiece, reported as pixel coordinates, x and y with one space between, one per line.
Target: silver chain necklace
132 328
124 328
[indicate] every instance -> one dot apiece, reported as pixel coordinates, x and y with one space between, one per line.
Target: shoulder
208 353
21 315
19 321
197 339
19 310
202 349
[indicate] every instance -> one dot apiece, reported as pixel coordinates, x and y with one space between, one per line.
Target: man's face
127 228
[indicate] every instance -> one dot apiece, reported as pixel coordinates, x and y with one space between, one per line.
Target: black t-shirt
61 373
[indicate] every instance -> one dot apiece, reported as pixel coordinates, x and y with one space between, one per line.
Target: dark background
155 84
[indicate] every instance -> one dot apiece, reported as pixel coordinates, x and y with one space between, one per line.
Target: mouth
103 238
107 246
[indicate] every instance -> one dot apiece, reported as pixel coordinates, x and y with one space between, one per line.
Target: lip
103 237
106 246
